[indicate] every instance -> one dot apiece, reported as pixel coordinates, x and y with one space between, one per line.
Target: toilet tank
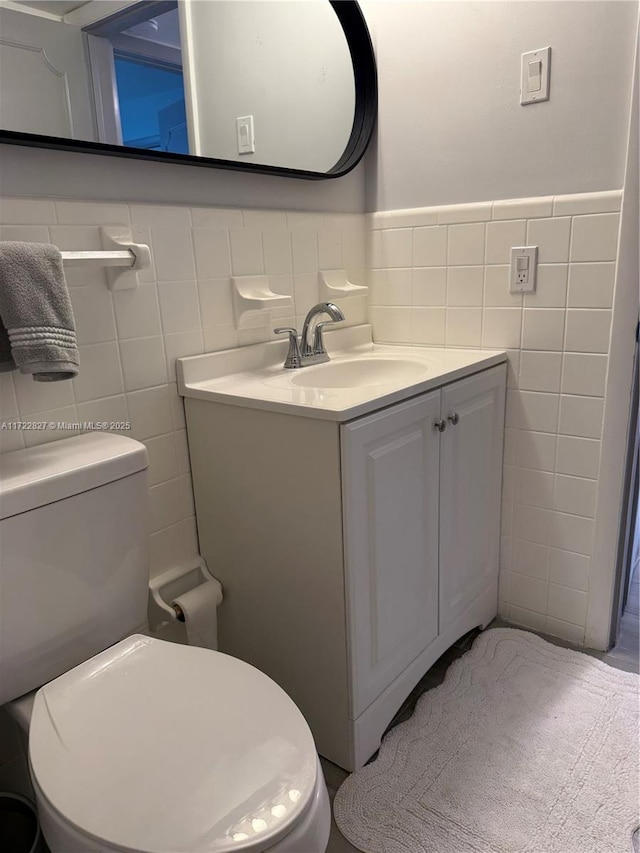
73 554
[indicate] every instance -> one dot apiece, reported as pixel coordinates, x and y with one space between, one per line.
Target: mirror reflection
268 82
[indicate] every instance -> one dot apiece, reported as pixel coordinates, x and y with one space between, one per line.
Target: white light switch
534 76
246 140
524 263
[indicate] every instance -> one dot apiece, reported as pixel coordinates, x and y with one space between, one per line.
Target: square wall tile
531 523
501 237
430 246
109 410
391 324
137 312
502 328
581 416
587 330
464 327
330 249
179 307
540 371
591 285
569 569
575 495
543 329
534 488
552 238
551 287
150 412
564 630
428 326
567 604
173 254
143 363
496 289
166 504
391 287
465 286
529 593
163 464
180 345
216 305
571 532
35 396
534 411
278 255
595 238
466 244
100 374
584 373
246 251
536 450
526 618
396 247
531 559
429 286
579 457
212 252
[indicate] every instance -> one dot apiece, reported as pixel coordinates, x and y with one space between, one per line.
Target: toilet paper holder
168 585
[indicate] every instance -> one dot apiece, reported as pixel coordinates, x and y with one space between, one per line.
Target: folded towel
36 312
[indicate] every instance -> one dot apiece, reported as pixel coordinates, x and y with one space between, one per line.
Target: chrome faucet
302 353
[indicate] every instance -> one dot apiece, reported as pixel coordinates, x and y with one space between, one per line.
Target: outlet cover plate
523 280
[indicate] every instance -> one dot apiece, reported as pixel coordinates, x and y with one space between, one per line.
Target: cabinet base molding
371 724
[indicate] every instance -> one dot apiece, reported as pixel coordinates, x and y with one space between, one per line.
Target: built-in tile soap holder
334 284
252 298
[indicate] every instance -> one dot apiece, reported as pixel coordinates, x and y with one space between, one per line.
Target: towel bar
119 250
124 258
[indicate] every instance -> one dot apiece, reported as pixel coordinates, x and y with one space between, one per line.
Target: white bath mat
525 748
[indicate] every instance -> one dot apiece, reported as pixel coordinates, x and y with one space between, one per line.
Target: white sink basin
361 377
362 372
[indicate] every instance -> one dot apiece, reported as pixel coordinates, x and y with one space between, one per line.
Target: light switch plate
524 266
534 76
246 139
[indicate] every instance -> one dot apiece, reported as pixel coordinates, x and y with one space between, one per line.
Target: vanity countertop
360 378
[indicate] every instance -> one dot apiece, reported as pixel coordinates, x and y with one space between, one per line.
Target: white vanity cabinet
352 554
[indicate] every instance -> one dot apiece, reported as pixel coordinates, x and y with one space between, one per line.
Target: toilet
136 744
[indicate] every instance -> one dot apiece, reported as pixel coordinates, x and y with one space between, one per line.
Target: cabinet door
390 505
470 488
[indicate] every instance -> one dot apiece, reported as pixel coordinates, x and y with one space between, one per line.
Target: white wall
286 64
450 126
37 172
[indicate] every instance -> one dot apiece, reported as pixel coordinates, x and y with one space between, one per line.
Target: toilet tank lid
46 473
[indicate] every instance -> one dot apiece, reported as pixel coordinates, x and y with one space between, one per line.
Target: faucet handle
318 342
293 355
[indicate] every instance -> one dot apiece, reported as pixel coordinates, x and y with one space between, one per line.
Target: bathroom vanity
352 517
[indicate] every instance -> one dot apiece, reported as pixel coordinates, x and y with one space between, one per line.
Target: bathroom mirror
273 86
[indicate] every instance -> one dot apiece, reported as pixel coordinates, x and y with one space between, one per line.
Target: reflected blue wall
152 109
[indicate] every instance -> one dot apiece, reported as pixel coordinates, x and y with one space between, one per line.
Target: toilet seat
156 747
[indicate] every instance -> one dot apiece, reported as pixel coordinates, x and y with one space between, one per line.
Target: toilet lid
153 746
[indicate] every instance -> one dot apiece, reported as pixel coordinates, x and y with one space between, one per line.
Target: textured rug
524 748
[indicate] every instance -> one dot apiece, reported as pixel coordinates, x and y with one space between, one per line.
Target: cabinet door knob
454 418
440 425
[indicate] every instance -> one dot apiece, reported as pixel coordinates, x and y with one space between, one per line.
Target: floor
624 656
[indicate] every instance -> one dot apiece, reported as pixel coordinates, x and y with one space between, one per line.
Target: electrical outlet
524 264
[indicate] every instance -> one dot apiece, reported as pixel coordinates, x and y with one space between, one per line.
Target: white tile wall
129 340
557 340
438 276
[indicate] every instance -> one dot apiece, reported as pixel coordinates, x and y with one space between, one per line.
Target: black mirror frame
366 104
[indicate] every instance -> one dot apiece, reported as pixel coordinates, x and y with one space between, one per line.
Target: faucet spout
312 324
